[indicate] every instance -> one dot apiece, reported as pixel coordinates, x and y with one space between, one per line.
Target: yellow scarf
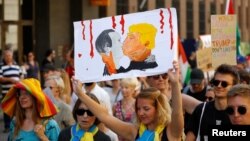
157 131
80 135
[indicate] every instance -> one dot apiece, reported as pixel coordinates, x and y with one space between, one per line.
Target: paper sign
204 59
206 41
131 45
223 31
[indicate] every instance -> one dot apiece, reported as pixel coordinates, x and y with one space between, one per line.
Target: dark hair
78 102
48 52
230 70
103 40
244 76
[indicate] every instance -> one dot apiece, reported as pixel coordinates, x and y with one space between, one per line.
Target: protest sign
131 45
223 31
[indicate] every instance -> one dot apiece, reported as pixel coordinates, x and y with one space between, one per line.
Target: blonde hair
59 83
160 102
147 33
67 85
242 90
131 82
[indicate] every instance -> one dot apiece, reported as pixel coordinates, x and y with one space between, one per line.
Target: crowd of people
50 104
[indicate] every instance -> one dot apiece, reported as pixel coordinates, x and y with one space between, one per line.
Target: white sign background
90 68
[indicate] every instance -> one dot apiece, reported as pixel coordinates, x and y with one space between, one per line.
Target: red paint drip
113 22
161 21
83 30
171 28
122 23
91 40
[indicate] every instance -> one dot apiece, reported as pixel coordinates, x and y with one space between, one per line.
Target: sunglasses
81 112
209 98
223 84
241 110
163 76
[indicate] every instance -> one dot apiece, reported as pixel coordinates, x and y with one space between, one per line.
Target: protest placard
223 31
131 45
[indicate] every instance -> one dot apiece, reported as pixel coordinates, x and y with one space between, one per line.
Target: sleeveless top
33 71
120 113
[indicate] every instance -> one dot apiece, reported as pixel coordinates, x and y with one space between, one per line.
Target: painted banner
131 45
223 31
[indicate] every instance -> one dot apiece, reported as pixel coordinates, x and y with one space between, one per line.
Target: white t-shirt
114 97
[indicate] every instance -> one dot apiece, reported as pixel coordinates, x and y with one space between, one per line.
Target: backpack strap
202 112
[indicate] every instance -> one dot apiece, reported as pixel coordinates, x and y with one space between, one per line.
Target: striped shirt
11 71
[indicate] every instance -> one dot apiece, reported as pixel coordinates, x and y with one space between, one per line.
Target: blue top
52 131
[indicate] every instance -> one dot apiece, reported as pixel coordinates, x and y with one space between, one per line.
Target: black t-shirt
211 118
199 95
65 135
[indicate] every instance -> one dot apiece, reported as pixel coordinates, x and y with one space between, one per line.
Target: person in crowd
69 68
104 99
210 94
32 66
198 86
64 117
196 89
161 82
247 67
213 113
125 108
244 76
114 91
47 70
86 128
10 73
67 91
156 120
31 111
238 104
49 58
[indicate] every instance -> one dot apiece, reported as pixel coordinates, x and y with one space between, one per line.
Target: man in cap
198 86
197 89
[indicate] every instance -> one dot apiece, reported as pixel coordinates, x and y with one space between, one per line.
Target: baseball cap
196 76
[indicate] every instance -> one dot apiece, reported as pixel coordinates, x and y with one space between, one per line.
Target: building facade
42 24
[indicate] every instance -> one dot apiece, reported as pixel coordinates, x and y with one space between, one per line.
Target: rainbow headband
44 105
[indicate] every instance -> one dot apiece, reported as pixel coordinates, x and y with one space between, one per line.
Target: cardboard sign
223 31
131 45
204 59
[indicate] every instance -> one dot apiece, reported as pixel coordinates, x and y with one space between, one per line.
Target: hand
77 86
174 73
39 130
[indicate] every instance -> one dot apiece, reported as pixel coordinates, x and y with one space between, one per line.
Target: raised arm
177 122
124 129
189 103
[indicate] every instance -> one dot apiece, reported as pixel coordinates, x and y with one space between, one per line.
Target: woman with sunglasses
85 128
32 111
238 104
156 120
